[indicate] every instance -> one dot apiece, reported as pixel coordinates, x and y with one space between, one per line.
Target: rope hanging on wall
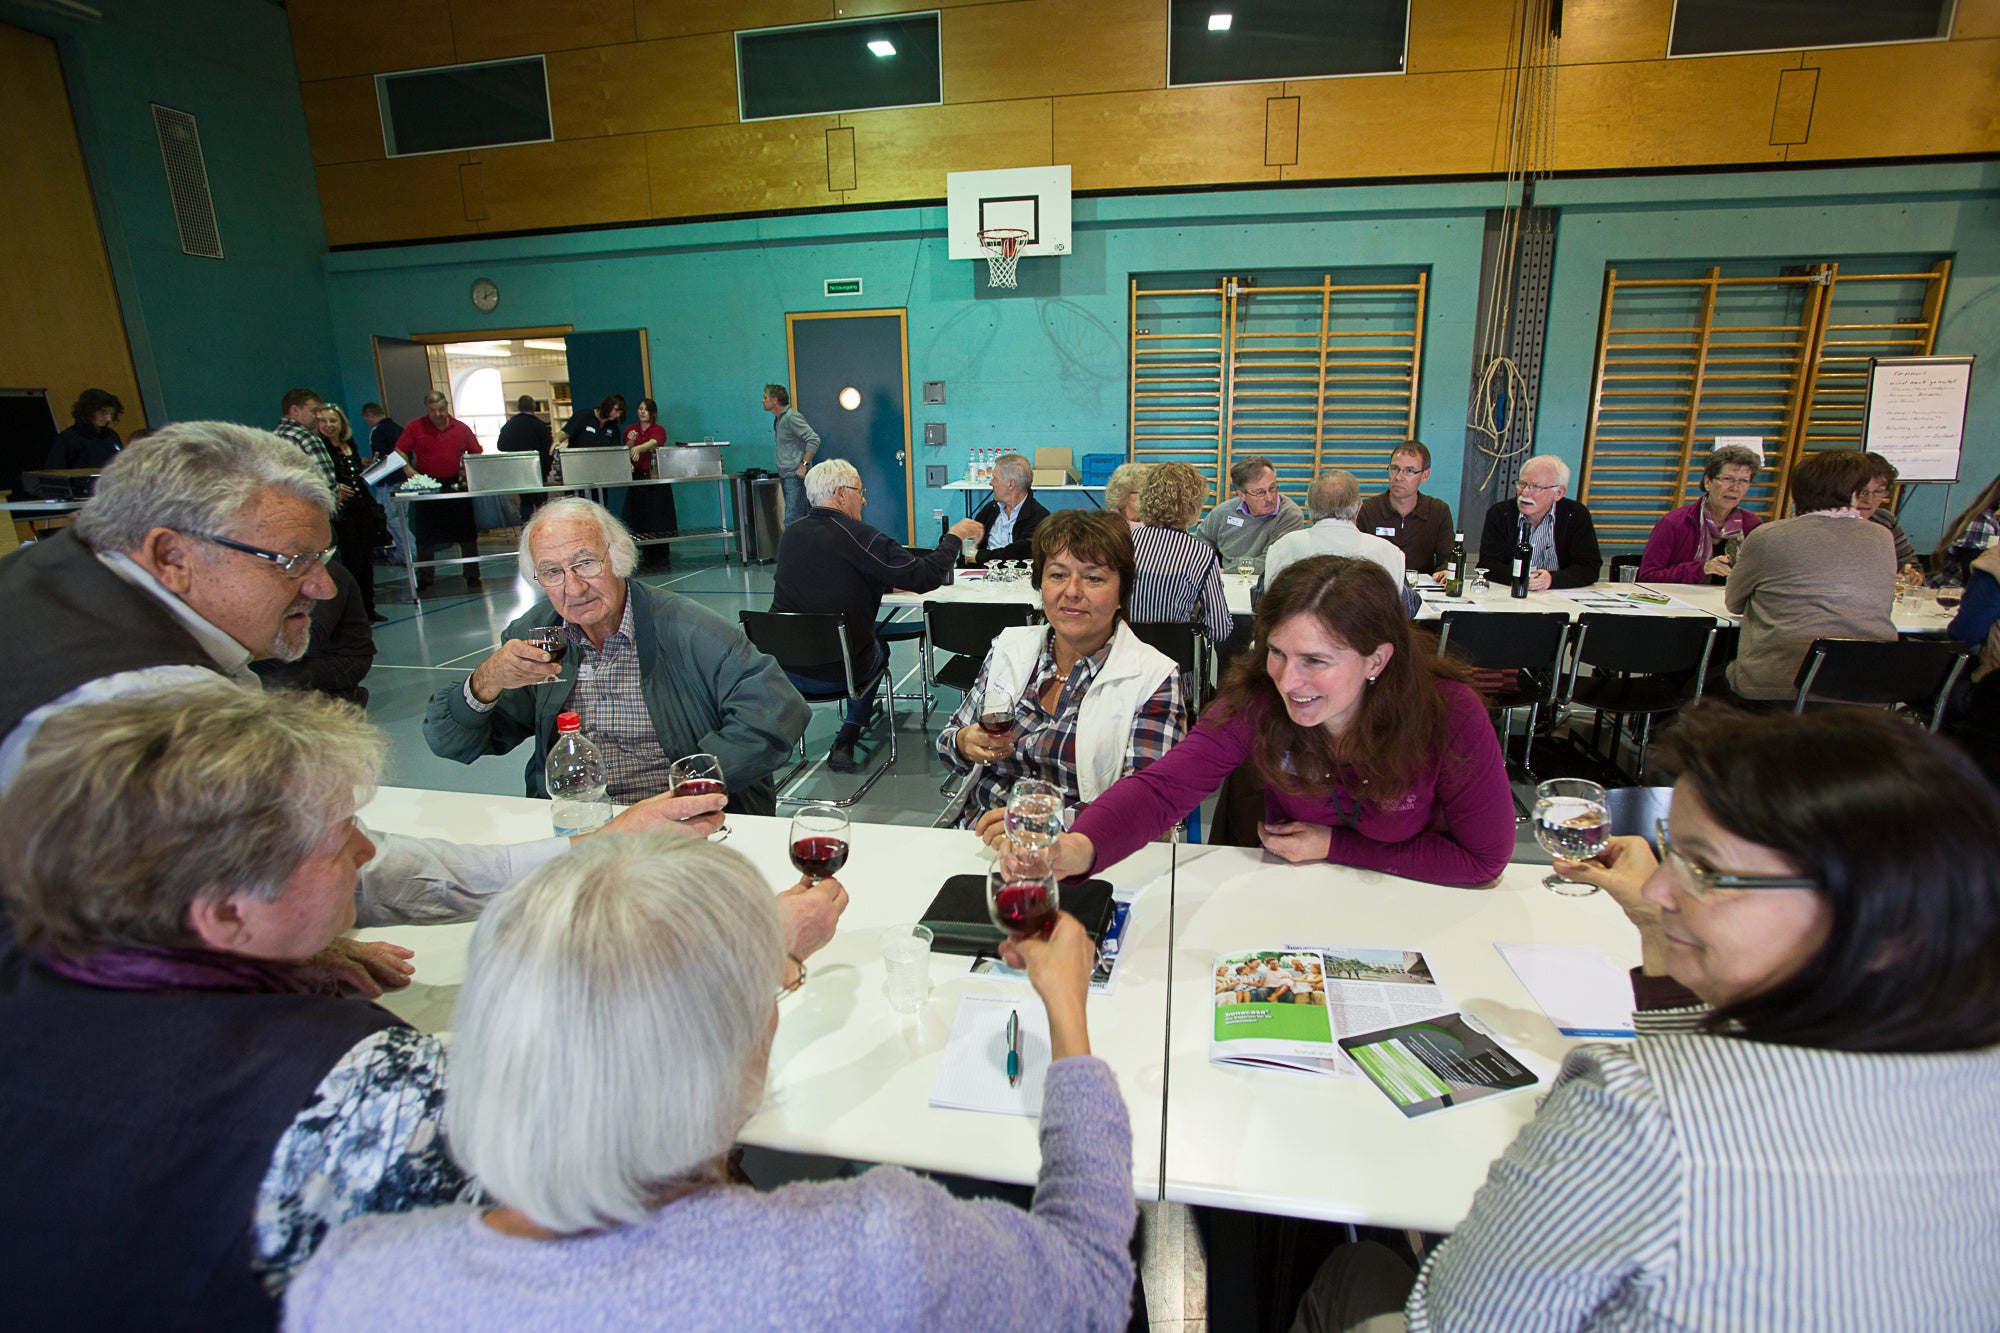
1530 155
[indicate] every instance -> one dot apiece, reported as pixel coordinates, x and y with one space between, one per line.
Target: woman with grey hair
191 1102
602 1144
1697 542
1121 491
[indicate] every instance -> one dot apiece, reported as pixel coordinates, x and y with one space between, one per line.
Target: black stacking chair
967 630
1642 665
1529 643
1189 648
1619 562
1907 673
803 639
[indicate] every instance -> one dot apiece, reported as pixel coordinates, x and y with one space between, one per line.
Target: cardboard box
1054 458
1054 476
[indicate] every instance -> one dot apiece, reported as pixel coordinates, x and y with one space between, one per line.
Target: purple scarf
154 969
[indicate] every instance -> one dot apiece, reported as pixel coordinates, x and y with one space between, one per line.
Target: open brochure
1288 1008
1436 1063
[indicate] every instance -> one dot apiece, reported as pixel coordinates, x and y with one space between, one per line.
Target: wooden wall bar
644 100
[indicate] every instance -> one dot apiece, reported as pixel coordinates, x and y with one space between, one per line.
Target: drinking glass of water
1034 814
1571 822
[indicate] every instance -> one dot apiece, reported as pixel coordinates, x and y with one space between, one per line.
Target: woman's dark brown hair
1829 479
1902 835
1094 536
1401 725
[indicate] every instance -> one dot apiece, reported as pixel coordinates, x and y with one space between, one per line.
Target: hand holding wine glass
1058 967
990 738
1571 822
1021 893
1034 817
819 841
699 775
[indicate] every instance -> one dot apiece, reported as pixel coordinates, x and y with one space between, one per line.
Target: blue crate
1096 469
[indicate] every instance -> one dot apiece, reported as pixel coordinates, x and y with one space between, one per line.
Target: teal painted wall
210 338
1046 365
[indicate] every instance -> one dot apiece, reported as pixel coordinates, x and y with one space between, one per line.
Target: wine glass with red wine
819 841
551 640
1021 893
996 711
699 775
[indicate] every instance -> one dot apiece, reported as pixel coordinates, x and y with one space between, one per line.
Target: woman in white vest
1089 702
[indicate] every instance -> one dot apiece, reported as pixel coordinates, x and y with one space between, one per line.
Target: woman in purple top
1373 750
1688 545
612 1037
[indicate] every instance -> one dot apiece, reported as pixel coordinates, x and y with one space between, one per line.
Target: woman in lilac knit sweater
612 1037
1373 750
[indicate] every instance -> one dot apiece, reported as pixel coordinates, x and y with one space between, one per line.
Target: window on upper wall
818 69
457 107
1256 41
1712 27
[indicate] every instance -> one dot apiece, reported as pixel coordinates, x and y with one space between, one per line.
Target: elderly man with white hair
832 563
655 675
1562 540
1010 517
1333 500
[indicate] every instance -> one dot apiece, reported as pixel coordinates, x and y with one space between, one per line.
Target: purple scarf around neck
156 969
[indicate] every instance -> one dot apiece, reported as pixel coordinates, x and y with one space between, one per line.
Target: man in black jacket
832 563
525 432
1009 519
1562 539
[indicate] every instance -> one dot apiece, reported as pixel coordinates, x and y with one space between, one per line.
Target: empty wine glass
819 841
699 775
1572 822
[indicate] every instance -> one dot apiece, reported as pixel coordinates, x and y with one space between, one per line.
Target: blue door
867 352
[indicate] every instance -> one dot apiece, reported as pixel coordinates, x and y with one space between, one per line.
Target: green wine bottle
1454 572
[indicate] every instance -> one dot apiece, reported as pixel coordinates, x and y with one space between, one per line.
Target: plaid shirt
614 713
1045 743
312 444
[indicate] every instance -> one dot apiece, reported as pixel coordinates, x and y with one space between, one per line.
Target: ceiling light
882 48
480 349
1219 22
546 344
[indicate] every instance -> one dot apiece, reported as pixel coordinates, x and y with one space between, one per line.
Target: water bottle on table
575 777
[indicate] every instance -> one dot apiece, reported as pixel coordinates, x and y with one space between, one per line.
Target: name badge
585 672
1233 521
1385 532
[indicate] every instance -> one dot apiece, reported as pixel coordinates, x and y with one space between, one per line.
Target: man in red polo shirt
436 445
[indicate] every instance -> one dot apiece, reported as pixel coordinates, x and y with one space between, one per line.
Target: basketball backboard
1033 199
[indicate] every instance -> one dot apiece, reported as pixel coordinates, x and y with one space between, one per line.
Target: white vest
1130 675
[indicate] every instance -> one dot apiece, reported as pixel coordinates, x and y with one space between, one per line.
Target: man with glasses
204 549
656 676
1242 529
1562 539
1419 525
832 563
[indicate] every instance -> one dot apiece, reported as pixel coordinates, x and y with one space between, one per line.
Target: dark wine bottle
1454 572
1524 555
951 565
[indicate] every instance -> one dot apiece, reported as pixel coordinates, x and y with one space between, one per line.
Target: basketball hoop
1002 246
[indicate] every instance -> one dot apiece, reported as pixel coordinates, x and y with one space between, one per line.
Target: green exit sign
843 286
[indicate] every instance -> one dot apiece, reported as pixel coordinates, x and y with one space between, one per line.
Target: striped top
1693 1181
1173 573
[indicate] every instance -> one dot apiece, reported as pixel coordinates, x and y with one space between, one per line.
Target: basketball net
1002 246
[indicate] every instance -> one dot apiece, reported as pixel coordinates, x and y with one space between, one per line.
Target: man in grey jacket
796 443
1242 529
655 675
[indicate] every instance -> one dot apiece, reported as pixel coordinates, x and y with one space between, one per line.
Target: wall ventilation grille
187 180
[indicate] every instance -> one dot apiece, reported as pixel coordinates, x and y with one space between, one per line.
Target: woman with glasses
601 1146
1871 502
1802 1134
1696 543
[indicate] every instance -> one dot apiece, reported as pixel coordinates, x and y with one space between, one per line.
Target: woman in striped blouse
1176 572
1803 1137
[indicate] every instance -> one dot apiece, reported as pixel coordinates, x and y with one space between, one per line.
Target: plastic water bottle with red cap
575 776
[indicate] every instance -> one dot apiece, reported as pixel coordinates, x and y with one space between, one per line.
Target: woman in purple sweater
612 1037
1374 751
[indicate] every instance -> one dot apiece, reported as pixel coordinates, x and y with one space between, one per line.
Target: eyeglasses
1408 471
1534 486
292 566
1260 492
585 569
1702 882
1877 492
861 491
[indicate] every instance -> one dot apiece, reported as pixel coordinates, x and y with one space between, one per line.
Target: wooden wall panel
1053 48
496 29
1366 127
392 199
663 85
569 183
334 38
1461 34
1190 135
343 119
1948 94
1668 113
63 331
769 164
905 154
683 18
1976 18
1599 30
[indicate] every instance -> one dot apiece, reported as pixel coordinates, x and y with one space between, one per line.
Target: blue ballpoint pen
1014 1049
